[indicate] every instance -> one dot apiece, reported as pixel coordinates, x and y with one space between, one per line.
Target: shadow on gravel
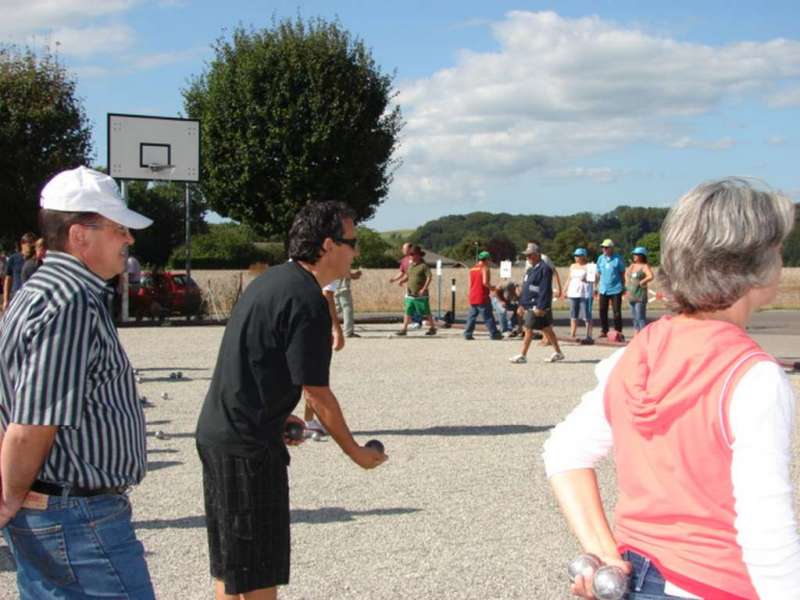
162 451
157 465
332 514
337 514
6 560
454 430
161 422
181 523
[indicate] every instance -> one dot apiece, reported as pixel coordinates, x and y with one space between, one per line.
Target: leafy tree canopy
43 130
290 114
374 252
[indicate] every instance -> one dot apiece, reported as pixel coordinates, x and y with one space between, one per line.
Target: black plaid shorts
247 519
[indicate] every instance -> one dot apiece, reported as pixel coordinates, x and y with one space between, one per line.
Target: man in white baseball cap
67 389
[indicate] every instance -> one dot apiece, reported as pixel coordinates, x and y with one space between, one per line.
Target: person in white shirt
578 293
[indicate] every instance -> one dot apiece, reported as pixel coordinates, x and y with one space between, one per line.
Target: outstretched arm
327 409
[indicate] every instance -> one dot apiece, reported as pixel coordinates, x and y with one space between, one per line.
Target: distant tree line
505 235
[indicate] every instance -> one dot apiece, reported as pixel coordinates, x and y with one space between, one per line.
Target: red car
164 293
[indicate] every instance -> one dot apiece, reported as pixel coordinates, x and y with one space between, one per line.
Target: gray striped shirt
62 364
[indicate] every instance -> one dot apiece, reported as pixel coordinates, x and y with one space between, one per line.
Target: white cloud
785 99
685 142
91 72
92 40
560 89
160 59
22 17
776 140
594 174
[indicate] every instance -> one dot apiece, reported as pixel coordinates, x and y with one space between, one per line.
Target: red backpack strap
731 381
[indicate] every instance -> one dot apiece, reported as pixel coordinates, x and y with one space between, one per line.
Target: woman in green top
638 276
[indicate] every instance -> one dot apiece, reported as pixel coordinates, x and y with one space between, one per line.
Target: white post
124 277
188 236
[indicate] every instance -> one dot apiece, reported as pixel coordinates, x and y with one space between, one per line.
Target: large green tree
43 130
291 114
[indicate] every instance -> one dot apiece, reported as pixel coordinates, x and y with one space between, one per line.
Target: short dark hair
315 222
55 225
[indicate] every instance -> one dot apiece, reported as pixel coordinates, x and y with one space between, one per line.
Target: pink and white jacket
699 418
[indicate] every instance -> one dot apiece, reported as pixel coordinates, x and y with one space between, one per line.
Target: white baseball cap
87 190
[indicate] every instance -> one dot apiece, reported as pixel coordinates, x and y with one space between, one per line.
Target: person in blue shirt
611 271
536 299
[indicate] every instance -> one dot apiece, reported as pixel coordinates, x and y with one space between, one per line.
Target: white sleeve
761 417
584 437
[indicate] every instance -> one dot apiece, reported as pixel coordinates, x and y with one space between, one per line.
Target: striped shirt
62 364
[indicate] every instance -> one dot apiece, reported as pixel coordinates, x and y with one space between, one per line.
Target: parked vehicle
164 293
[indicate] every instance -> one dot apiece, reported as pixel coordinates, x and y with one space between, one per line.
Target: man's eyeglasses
120 229
352 242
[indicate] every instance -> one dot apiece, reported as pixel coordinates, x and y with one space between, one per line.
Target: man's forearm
7 281
23 451
327 409
331 308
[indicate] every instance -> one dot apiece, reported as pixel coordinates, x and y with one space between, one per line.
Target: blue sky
521 107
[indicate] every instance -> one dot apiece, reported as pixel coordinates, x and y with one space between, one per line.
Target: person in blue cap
611 271
578 293
639 275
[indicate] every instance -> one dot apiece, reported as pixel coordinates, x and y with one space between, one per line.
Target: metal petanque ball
375 445
609 583
172 375
294 431
164 396
585 564
316 436
179 375
160 435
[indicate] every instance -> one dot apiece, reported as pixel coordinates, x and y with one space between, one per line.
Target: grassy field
374 293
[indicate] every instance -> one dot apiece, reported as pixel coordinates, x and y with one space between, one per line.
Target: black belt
53 489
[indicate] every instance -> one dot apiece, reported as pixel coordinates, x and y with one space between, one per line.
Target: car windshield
180 280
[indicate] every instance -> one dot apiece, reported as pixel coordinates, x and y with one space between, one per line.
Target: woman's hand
582 586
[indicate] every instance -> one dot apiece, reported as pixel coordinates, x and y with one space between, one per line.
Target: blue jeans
501 315
645 581
639 310
78 548
472 317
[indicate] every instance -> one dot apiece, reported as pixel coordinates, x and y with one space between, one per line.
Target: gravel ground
461 509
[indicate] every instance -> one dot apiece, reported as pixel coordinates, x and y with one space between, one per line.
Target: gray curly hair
720 240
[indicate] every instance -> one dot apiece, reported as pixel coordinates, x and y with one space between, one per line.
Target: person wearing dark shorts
276 347
536 301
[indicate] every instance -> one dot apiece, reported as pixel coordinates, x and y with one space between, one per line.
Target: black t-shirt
278 339
29 268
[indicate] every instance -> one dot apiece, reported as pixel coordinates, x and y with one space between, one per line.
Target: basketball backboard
153 148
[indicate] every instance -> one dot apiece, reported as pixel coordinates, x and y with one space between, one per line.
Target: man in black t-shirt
276 346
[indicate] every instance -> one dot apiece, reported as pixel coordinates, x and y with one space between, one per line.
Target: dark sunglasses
352 242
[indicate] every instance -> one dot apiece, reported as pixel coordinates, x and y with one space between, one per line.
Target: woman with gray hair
699 417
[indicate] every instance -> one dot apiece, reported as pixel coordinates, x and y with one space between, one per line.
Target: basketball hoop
157 167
